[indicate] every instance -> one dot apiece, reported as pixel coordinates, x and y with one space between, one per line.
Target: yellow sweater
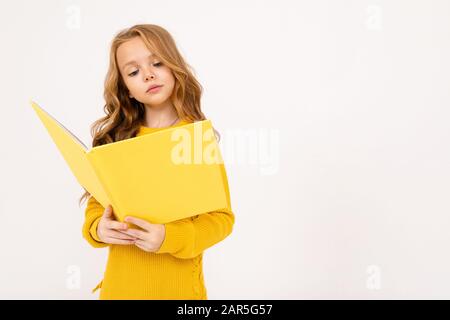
175 271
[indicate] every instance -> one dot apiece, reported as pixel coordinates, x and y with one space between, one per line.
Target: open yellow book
170 174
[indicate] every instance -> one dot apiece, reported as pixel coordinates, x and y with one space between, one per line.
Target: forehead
132 51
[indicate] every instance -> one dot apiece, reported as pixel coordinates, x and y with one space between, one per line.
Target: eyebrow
133 62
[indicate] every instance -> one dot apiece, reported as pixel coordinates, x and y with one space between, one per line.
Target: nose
149 75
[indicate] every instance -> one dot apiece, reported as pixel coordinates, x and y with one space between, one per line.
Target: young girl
148 87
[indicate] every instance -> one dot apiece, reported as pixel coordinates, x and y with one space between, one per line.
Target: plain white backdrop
334 118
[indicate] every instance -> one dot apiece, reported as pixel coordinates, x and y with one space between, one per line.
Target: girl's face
140 70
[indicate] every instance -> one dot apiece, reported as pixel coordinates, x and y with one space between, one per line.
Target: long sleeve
187 238
93 213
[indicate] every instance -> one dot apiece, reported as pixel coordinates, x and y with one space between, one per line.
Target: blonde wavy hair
124 115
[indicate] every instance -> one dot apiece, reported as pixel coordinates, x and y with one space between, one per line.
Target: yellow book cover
170 174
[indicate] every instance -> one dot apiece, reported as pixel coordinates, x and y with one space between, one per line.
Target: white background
355 95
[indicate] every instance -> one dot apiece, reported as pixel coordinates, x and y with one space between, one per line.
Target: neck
160 116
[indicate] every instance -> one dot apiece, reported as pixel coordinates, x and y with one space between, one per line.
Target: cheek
132 85
167 75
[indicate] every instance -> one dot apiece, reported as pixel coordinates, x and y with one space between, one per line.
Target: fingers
139 222
119 235
118 241
141 245
116 225
110 222
136 233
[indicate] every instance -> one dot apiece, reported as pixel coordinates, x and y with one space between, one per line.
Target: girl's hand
150 238
111 231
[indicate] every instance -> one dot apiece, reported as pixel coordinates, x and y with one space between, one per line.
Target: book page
67 130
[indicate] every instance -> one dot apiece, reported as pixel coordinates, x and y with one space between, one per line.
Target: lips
153 86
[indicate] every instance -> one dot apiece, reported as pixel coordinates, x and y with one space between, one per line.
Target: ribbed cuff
90 233
177 235
93 229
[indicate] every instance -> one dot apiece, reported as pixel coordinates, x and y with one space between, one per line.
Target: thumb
108 212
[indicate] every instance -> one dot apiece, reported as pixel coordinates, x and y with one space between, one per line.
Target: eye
156 64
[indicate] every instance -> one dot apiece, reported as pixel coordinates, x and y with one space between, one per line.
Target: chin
155 101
